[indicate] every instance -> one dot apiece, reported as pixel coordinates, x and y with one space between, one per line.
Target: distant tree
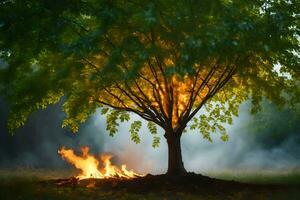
162 60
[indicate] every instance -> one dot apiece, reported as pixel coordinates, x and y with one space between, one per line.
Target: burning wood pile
92 168
101 173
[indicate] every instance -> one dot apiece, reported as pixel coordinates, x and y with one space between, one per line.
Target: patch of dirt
189 183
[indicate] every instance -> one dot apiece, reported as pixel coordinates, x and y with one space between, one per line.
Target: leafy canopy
163 60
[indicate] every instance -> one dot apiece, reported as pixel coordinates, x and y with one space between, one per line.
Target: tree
162 60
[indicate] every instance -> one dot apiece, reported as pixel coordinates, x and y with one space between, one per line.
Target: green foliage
49 48
134 130
111 122
153 130
19 114
124 116
112 119
218 112
104 110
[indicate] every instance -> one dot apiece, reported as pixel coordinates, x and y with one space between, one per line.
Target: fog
275 147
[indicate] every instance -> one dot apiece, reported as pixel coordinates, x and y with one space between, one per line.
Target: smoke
248 148
36 144
263 141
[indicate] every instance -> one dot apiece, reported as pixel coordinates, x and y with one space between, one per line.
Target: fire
89 165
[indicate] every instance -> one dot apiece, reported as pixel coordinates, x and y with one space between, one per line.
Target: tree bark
175 164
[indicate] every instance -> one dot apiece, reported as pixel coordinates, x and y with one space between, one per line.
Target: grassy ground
29 184
290 177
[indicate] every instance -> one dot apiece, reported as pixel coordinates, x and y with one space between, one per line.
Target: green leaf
225 137
104 111
124 116
152 128
111 122
134 130
155 142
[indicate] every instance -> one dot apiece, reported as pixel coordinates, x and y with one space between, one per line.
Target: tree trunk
175 164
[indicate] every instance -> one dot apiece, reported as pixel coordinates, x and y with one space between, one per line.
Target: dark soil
25 186
190 183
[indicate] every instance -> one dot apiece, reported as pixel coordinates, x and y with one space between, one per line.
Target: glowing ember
89 165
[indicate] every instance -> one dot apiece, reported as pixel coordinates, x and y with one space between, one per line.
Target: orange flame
89 165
